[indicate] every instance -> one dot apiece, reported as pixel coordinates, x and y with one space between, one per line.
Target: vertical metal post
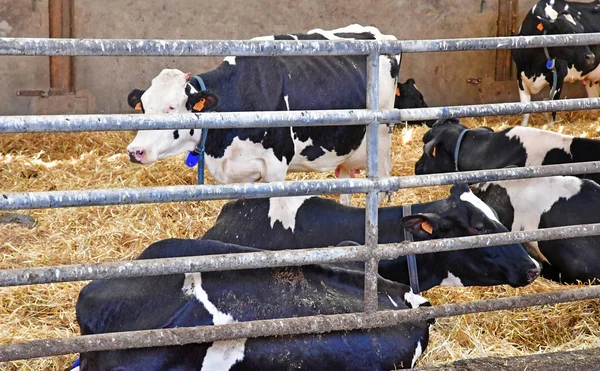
60 14
371 217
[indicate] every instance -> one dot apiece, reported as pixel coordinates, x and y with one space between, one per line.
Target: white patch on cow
537 143
573 74
286 98
245 161
530 198
294 37
221 355
284 209
569 18
392 301
451 280
475 201
550 12
328 161
230 59
535 84
264 38
418 352
415 300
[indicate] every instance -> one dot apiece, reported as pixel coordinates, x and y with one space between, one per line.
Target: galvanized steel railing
372 117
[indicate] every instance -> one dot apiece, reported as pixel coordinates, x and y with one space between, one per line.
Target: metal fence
370 252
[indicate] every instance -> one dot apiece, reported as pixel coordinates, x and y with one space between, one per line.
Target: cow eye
481 229
171 108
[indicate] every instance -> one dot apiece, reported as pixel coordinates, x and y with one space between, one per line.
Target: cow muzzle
532 274
590 58
136 155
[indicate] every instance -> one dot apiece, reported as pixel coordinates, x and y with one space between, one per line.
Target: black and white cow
482 148
271 84
306 222
409 96
201 299
529 204
572 63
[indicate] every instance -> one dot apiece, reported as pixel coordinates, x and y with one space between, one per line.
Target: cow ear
458 189
421 225
398 90
201 101
429 147
135 99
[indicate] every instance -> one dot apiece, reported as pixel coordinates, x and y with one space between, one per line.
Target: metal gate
371 252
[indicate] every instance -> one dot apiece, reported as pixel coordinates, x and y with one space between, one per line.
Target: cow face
408 96
552 17
439 146
463 214
170 92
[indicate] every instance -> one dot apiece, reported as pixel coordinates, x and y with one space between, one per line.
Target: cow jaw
149 146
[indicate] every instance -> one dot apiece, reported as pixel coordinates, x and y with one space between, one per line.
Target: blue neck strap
413 272
457 148
196 157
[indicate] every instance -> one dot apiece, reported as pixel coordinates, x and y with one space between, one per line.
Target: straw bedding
44 162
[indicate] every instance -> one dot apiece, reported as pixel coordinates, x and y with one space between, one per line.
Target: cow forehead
168 88
475 201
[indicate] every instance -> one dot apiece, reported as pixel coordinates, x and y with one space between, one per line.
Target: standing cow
482 148
306 222
571 63
202 299
530 204
271 84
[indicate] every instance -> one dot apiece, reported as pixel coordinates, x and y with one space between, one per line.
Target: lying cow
529 204
483 148
201 299
271 84
305 222
572 63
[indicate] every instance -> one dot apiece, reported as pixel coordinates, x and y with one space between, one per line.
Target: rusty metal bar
144 47
264 259
223 120
371 214
60 17
279 327
145 195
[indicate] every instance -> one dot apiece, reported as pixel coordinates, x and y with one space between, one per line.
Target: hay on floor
44 162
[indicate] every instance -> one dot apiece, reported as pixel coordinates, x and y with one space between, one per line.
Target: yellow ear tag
200 105
138 107
433 153
427 227
397 92
540 26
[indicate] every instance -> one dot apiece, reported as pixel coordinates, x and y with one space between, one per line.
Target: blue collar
457 148
197 155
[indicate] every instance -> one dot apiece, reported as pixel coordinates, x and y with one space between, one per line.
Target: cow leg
525 97
343 172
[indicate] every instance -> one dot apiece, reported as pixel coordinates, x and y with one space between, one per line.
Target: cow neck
551 65
457 147
413 273
197 155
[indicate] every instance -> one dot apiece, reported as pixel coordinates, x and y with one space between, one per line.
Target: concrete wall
106 81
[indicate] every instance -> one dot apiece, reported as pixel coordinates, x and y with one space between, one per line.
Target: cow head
552 17
170 92
439 145
463 214
408 96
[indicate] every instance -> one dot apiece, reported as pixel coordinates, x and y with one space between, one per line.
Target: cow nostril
532 274
139 152
590 57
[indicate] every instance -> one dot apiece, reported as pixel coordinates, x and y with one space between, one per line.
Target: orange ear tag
540 26
138 107
427 227
434 150
397 92
200 105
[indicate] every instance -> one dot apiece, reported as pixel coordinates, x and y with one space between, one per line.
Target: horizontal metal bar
280 327
265 259
146 47
223 120
145 195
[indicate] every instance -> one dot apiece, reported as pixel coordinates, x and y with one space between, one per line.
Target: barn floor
45 162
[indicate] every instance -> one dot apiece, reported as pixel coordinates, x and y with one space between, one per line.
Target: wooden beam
60 13
508 13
